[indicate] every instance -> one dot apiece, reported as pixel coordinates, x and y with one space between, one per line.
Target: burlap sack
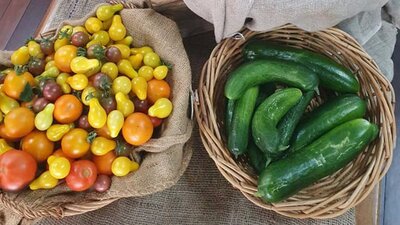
170 154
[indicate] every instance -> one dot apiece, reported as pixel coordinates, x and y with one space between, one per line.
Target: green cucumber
329 115
268 114
257 158
230 107
289 122
238 134
332 75
265 70
323 157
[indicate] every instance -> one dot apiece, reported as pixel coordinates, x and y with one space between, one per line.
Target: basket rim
224 161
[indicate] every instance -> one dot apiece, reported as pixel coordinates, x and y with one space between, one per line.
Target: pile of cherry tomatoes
75 106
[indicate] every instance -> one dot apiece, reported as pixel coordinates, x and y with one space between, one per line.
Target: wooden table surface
20 19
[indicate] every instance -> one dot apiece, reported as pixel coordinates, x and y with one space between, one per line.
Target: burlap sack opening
168 155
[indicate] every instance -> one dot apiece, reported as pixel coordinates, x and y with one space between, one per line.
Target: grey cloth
361 18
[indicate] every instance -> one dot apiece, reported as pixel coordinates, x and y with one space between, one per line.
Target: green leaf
27 94
20 69
169 65
91 136
81 52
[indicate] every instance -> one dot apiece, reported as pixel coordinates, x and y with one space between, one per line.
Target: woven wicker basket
333 195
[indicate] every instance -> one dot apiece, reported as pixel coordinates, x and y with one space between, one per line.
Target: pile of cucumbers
288 148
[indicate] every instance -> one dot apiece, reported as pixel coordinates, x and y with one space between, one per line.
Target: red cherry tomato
82 175
17 169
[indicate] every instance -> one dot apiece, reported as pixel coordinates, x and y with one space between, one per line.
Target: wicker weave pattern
337 193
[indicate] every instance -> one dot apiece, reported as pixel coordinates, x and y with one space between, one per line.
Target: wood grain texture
10 19
28 24
3 7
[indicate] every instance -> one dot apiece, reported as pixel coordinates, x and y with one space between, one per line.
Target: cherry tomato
79 39
64 56
102 184
104 162
19 122
82 175
47 46
39 104
157 89
141 105
37 144
74 144
104 132
67 109
14 85
84 122
113 54
137 129
151 59
52 91
36 66
156 121
17 169
60 153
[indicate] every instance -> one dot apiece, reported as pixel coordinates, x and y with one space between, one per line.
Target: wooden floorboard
10 19
29 23
3 7
391 207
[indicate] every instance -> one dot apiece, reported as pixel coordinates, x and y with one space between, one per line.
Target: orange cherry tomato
37 144
60 153
3 134
157 89
104 162
67 109
104 132
64 56
137 129
74 143
14 84
19 122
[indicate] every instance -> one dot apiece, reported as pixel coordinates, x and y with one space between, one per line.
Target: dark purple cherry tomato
102 183
108 102
101 81
39 104
83 122
79 39
113 54
36 66
47 46
141 105
52 91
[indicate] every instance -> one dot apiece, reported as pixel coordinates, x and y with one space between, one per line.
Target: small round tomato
151 59
74 144
82 175
17 169
60 153
104 132
156 121
19 122
64 56
146 72
137 129
157 89
67 109
111 69
14 85
37 144
104 162
160 72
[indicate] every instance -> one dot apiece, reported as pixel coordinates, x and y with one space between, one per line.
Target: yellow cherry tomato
139 87
117 30
78 82
67 29
101 146
160 72
146 72
136 61
124 49
142 50
4 146
57 131
62 81
50 64
106 12
34 49
126 41
97 116
59 166
20 56
44 181
79 28
44 118
162 108
7 104
122 165
122 84
125 67
63 39
115 121
124 104
51 72
87 93
111 69
101 36
93 25
152 59
85 66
